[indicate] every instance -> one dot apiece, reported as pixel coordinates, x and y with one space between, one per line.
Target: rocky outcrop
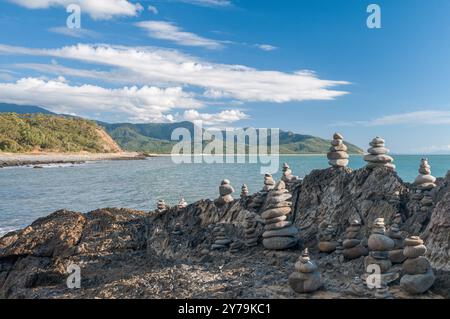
121 251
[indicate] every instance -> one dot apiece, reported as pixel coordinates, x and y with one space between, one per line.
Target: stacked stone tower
337 156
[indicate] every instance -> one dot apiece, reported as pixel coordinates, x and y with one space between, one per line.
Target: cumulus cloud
150 104
74 32
153 9
227 116
208 3
412 118
266 47
98 9
168 31
170 67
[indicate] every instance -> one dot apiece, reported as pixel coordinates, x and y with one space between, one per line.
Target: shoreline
37 159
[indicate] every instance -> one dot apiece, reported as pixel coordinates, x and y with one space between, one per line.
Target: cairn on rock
287 177
379 246
377 156
383 292
236 246
161 206
419 276
269 183
225 191
306 277
177 229
278 233
251 237
425 182
221 241
244 191
340 250
182 203
327 244
337 156
396 254
352 244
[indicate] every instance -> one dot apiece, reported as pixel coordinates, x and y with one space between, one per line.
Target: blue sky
312 67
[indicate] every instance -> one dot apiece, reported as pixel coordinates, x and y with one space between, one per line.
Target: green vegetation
156 138
42 132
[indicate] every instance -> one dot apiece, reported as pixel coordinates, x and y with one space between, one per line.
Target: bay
27 194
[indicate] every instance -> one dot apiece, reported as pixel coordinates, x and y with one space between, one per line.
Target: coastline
37 159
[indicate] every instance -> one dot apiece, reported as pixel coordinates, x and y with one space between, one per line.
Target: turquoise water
27 193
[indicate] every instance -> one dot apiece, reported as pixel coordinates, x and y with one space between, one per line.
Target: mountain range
155 138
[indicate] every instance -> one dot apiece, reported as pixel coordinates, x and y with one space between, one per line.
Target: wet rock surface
125 253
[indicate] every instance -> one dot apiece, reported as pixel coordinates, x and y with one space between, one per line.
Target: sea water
27 193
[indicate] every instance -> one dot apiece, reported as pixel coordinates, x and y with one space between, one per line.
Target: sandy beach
36 159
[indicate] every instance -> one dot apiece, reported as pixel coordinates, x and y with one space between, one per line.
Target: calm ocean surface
27 193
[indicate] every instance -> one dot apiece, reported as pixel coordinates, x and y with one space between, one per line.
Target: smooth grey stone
338 136
276 212
413 241
417 284
355 252
280 204
278 199
339 148
225 190
336 142
222 242
414 251
396 256
327 246
377 165
350 243
380 242
304 283
337 155
287 231
275 220
422 179
338 162
379 254
378 150
416 266
279 243
305 267
278 225
378 158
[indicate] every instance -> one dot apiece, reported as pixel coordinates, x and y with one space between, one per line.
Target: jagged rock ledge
125 253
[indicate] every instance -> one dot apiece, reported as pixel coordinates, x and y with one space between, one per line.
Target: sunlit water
27 193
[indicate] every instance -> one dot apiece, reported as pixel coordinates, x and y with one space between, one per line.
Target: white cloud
170 67
266 47
149 104
412 118
153 9
168 31
227 116
209 3
98 9
74 32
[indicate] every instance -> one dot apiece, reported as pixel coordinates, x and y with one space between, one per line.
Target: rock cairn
396 254
236 246
327 244
425 182
379 246
177 229
269 183
161 206
251 236
244 191
182 203
306 277
340 250
382 292
337 156
287 176
419 276
221 241
278 233
353 247
377 156
225 191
